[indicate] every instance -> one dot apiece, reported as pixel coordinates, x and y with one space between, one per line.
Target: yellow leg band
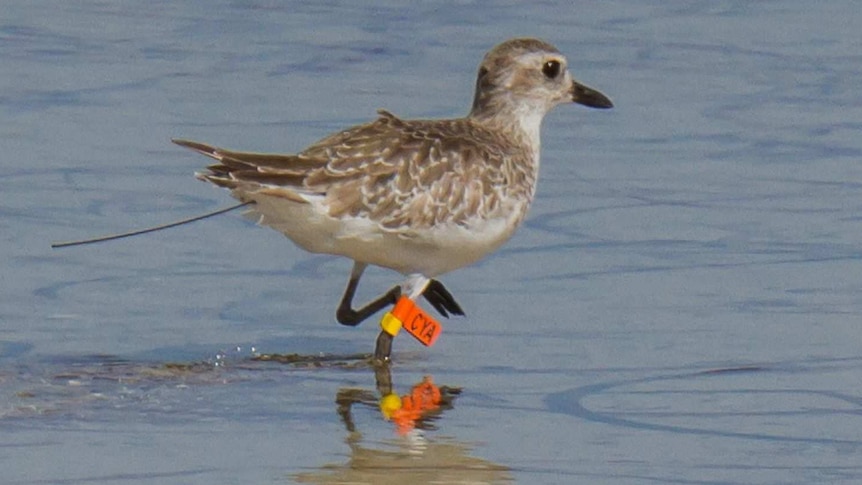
390 324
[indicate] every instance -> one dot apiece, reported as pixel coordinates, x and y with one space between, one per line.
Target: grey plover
421 197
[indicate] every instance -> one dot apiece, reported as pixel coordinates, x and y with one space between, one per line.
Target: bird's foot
441 299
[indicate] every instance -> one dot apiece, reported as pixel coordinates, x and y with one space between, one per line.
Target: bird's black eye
551 69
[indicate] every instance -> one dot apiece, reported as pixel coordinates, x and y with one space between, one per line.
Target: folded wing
397 173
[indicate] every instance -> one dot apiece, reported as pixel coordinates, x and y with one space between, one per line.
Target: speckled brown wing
411 175
404 175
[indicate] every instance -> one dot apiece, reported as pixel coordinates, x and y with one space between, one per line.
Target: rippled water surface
682 306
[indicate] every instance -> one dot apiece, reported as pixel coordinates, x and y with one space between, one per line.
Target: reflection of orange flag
423 398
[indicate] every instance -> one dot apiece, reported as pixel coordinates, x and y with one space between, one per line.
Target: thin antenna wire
149 229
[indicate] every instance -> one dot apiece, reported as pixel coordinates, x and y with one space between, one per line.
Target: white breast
430 252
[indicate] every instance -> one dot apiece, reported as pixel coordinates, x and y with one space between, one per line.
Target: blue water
682 306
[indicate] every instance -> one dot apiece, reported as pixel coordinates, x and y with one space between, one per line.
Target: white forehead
536 58
520 51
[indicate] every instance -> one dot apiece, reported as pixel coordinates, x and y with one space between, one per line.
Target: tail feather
248 175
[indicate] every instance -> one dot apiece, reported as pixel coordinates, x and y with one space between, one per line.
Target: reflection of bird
426 461
422 197
414 457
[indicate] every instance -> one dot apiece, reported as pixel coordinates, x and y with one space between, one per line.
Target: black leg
383 378
346 315
437 295
383 347
441 299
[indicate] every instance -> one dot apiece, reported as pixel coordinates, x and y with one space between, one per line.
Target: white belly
430 252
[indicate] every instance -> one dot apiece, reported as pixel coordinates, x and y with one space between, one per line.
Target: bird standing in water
421 197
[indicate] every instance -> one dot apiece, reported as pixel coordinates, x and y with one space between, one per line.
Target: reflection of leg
346 398
346 315
383 378
344 405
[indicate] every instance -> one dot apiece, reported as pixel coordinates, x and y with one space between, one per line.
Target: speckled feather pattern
418 196
398 174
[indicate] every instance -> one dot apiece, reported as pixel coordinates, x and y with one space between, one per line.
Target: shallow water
681 307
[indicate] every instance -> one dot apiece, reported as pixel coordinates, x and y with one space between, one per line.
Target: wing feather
404 175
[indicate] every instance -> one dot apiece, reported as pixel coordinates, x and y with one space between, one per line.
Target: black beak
589 97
